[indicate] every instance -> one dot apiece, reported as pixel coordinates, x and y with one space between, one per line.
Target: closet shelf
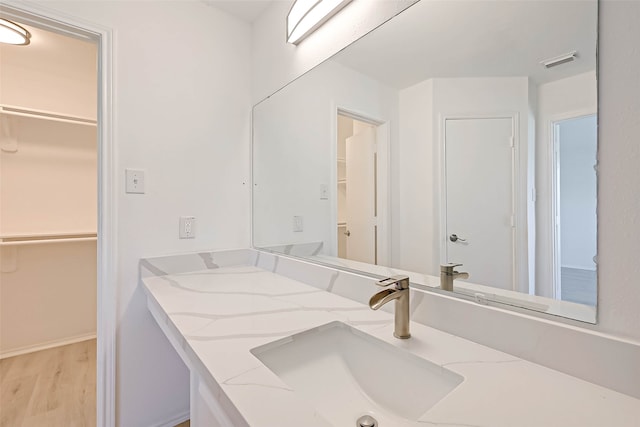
38 239
46 115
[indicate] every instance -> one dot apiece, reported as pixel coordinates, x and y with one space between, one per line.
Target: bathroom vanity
271 340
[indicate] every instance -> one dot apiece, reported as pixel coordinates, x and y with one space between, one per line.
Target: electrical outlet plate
187 227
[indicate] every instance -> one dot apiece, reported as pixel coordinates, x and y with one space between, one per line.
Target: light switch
297 224
324 192
134 181
187 227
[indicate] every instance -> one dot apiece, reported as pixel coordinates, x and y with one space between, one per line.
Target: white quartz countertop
216 316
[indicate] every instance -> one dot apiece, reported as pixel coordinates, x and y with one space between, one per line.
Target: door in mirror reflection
575 148
357 198
480 219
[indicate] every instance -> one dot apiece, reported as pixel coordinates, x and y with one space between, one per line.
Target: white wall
49 185
619 153
47 296
181 109
295 137
578 149
618 176
556 100
416 220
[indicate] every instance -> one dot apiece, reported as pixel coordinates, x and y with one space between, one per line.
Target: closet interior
48 193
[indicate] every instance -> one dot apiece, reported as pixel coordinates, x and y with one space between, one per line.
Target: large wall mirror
458 132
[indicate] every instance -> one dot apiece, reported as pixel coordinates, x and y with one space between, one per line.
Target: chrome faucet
396 288
448 274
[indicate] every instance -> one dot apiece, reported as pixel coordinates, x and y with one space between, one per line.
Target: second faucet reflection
448 274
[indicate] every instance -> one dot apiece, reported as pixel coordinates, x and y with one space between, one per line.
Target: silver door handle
455 238
347 233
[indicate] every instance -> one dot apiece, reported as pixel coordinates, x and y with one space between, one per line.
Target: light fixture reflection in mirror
485 143
306 16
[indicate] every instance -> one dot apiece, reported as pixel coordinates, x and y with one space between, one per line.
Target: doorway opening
48 226
360 198
574 207
56 222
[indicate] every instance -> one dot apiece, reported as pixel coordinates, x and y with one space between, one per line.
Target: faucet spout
384 296
396 288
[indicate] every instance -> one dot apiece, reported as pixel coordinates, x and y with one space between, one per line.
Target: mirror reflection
458 136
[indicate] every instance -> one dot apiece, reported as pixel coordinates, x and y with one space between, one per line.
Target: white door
360 197
480 232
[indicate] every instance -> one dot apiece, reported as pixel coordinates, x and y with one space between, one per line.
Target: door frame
383 148
52 20
519 231
554 203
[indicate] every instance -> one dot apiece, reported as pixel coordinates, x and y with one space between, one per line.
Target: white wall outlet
297 224
134 181
481 298
324 192
187 227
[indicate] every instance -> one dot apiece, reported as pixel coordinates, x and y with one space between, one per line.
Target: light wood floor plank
15 394
53 387
5 367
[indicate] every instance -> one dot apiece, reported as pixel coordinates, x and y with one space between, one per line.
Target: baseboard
44 346
175 420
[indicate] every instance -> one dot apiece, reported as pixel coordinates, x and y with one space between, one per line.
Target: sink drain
366 421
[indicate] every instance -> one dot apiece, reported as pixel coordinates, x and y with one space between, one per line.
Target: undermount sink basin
346 373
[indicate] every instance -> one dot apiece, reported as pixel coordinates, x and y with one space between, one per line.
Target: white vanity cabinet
207 407
205 410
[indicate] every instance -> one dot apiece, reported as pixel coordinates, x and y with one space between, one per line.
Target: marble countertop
214 317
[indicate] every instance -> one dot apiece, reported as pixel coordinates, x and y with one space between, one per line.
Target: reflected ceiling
521 35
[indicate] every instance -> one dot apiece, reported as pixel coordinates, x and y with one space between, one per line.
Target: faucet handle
400 282
448 268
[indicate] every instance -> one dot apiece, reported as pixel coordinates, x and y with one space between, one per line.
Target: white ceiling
496 38
245 10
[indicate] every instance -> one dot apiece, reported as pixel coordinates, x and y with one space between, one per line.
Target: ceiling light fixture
306 16
12 33
562 59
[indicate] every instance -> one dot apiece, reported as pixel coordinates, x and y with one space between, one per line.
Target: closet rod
45 115
47 241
